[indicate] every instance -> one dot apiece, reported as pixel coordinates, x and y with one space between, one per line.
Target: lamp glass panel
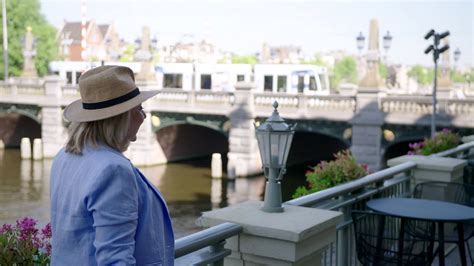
289 139
274 149
264 147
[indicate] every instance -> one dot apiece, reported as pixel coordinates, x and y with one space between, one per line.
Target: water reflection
187 187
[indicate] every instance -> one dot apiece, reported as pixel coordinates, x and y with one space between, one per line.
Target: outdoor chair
450 192
378 240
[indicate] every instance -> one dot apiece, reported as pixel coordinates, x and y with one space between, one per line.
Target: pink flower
6 228
46 231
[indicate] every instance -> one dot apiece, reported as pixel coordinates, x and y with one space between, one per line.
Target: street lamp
274 138
436 52
457 54
360 42
387 41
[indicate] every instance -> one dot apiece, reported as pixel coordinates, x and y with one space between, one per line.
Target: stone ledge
430 163
295 224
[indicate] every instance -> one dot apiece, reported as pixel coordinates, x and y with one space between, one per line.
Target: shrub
342 169
441 141
24 244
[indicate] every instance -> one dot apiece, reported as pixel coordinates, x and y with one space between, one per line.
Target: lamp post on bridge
436 52
387 42
274 138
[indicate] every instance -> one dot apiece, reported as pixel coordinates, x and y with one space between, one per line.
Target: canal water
187 187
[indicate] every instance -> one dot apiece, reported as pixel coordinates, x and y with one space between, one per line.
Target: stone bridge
184 124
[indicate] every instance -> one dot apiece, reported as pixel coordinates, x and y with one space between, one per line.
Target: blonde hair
110 131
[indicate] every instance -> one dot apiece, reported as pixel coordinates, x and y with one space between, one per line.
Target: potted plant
24 244
324 175
441 141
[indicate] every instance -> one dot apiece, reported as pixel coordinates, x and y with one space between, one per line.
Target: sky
241 26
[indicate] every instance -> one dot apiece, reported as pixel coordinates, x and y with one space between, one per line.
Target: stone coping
430 163
294 224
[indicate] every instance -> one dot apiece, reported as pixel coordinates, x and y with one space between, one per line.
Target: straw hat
106 91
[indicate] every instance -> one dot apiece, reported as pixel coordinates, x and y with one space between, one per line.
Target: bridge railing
423 105
22 88
305 105
202 101
206 246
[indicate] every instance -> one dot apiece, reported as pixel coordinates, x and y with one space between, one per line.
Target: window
173 81
313 86
240 77
268 83
281 84
69 77
206 82
78 74
300 83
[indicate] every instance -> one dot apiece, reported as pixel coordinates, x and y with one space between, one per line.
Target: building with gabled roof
101 41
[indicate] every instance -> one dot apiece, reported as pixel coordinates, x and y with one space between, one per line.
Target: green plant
342 169
441 141
24 244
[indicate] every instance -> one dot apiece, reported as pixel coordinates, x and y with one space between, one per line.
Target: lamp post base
272 201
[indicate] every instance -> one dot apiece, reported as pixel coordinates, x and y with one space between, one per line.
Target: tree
317 60
244 59
345 70
20 15
422 75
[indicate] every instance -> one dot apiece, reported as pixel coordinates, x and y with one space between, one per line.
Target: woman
103 210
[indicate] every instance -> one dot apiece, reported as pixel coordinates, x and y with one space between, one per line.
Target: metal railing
393 181
206 246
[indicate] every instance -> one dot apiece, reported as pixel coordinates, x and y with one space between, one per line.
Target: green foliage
459 77
244 59
329 174
317 60
345 70
383 71
422 75
20 15
128 53
442 141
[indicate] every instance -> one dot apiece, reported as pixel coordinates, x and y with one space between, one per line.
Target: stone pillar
372 80
29 53
244 157
429 168
144 56
297 236
367 131
52 86
53 132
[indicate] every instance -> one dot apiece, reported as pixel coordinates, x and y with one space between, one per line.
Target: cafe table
439 212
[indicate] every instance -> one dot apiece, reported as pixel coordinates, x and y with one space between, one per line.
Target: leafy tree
20 15
317 60
345 70
244 59
421 74
383 71
127 53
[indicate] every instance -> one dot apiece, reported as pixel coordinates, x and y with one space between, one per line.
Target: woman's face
137 115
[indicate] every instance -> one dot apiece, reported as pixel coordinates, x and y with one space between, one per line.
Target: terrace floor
452 259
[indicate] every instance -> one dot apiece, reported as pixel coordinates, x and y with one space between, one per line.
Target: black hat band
111 102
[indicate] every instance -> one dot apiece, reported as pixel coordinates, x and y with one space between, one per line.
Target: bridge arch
311 147
17 125
183 140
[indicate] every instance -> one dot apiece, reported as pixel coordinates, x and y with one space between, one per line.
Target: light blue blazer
105 212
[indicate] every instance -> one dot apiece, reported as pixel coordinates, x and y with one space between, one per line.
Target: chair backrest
379 240
445 191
